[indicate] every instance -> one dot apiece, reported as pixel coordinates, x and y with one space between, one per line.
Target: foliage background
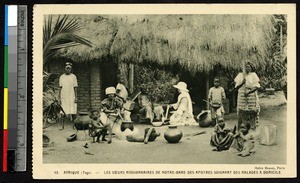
157 83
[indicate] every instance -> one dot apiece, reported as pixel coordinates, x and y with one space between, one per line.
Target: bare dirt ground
190 150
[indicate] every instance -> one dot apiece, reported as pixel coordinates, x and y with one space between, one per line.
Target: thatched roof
196 42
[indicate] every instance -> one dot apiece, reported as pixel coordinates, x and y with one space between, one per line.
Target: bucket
268 135
204 118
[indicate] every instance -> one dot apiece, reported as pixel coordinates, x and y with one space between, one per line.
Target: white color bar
12 15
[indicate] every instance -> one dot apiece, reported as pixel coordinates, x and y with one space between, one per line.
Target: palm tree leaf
71 26
47 56
47 30
64 40
60 23
61 35
63 45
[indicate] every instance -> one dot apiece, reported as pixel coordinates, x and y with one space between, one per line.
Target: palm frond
63 45
61 35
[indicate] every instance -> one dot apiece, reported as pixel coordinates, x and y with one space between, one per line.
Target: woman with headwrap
248 107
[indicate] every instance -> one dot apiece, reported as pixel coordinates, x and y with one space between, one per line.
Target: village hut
189 46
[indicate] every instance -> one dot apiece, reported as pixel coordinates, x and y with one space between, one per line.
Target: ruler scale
22 89
12 86
15 100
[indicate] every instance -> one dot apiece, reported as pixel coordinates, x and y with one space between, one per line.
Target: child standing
216 96
222 136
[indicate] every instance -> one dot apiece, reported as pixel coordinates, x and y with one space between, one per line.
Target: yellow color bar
5 109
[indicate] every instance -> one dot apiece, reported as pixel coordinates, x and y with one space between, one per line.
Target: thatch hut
195 44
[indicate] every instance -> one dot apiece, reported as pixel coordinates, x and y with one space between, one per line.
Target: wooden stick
195 134
167 112
245 90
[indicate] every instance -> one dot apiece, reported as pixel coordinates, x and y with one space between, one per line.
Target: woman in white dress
68 91
184 109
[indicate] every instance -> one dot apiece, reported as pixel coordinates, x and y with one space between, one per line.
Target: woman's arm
239 86
182 106
251 91
59 94
75 91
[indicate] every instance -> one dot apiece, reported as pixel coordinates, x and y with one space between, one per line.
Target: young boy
222 136
98 128
216 96
244 141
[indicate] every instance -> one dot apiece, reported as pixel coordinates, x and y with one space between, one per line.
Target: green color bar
5 66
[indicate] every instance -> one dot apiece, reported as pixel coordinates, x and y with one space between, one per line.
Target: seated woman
244 141
145 105
184 109
222 136
112 106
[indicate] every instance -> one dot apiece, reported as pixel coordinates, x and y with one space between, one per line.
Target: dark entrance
197 88
108 75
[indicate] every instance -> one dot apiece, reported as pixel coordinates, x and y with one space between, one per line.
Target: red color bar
5 141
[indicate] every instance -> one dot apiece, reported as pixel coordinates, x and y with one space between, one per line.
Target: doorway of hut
196 83
108 75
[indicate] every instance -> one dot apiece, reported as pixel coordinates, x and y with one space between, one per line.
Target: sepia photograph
180 91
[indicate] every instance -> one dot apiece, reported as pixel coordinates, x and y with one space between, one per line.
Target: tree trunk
123 71
281 40
131 77
207 90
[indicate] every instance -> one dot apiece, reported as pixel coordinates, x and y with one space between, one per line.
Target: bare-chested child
99 127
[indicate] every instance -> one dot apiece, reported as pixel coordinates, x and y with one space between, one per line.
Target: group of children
223 137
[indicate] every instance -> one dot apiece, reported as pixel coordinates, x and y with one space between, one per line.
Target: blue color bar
6 26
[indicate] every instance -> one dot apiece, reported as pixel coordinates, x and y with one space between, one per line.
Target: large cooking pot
204 118
82 121
173 134
127 124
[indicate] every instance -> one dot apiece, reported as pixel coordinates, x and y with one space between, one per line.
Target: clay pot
82 121
204 118
173 134
127 124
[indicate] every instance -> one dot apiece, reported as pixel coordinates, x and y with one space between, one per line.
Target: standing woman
68 91
248 107
183 114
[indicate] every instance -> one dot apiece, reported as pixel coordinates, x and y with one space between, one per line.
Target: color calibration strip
5 107
15 89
